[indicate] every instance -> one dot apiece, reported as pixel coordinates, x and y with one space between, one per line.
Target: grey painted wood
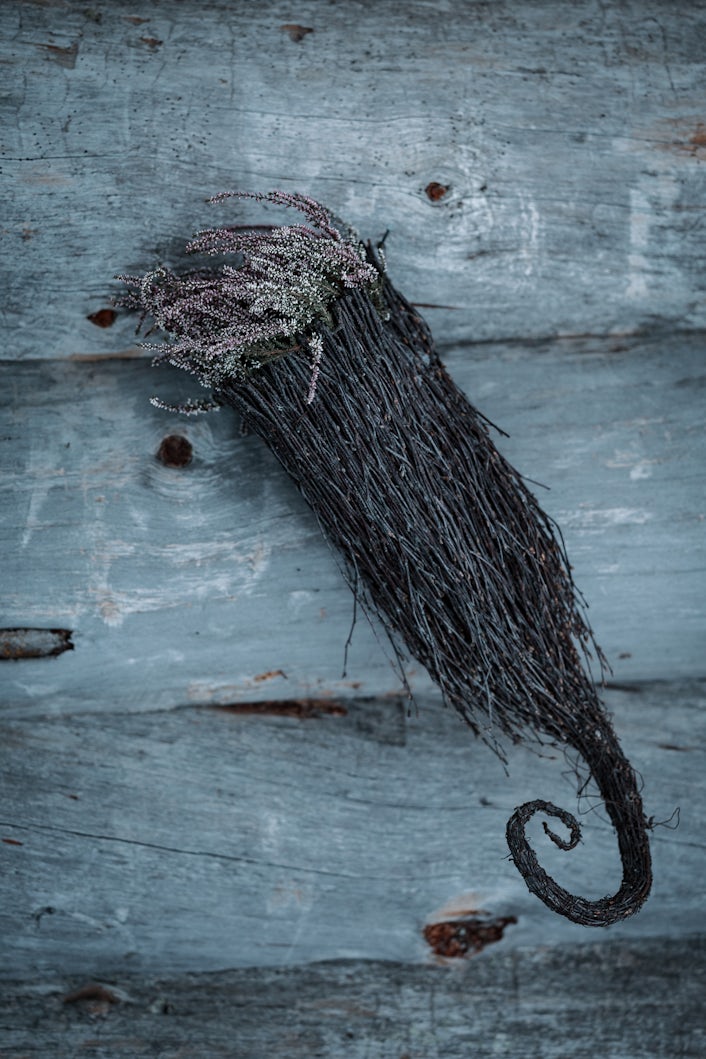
145 831
211 583
618 1001
570 137
197 840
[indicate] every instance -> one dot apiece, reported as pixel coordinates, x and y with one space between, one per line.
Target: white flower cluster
228 321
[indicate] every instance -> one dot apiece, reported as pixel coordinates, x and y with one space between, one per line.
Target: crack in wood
16 644
211 854
301 709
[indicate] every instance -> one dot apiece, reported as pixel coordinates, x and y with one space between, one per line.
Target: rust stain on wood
103 318
16 644
152 42
270 675
12 842
65 57
125 354
296 32
300 709
435 191
97 997
457 938
175 451
699 137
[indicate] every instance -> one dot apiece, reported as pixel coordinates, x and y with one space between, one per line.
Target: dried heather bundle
338 374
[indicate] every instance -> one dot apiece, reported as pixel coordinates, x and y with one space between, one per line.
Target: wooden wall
188 783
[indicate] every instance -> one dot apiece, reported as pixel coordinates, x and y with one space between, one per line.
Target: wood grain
186 585
540 168
570 139
196 840
618 1000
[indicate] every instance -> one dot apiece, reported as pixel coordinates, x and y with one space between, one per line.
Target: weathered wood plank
145 831
619 1001
570 139
194 840
189 584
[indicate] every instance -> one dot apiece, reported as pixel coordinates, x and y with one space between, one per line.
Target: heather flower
228 321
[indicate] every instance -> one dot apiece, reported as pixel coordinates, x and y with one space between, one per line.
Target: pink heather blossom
228 320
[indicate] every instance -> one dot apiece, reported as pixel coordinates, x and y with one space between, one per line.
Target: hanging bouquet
302 332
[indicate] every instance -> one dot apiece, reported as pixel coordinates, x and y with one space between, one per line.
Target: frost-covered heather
227 321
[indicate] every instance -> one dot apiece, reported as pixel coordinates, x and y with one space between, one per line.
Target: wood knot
175 451
457 938
103 318
435 191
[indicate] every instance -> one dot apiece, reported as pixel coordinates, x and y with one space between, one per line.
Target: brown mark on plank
457 938
690 139
680 749
103 317
300 709
65 57
13 842
16 644
96 998
435 191
699 137
135 19
175 451
296 32
270 675
152 42
124 354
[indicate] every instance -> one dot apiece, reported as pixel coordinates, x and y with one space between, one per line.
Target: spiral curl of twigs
617 784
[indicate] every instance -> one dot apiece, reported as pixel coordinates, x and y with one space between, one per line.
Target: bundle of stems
306 337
